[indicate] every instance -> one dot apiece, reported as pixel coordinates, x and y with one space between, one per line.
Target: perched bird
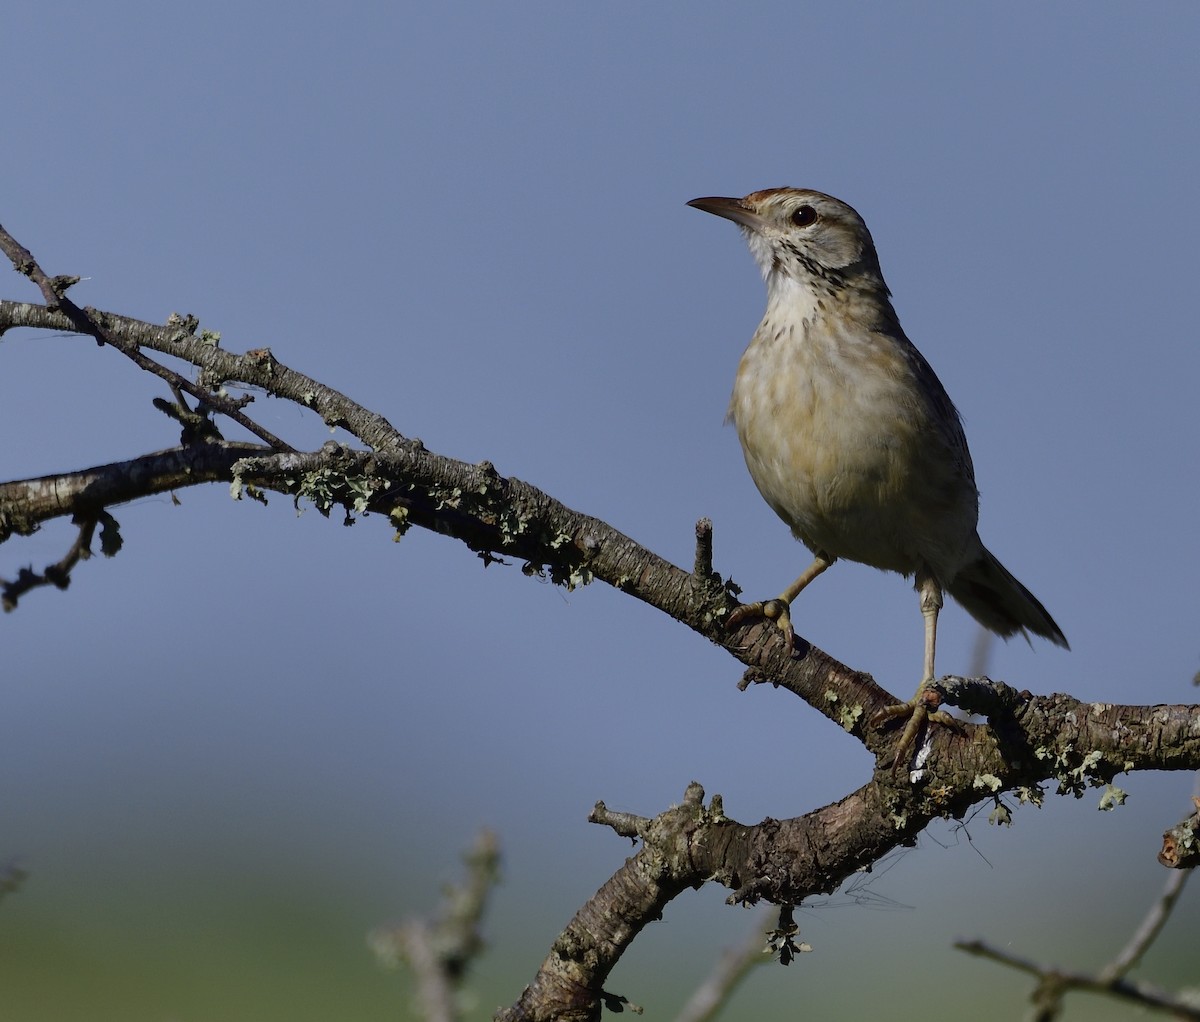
850 436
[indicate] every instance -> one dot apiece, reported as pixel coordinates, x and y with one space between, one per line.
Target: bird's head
805 235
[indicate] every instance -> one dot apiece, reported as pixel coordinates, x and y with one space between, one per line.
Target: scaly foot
777 610
920 710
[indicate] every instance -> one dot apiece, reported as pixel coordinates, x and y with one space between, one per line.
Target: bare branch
733 966
26 503
1150 928
1053 983
440 950
87 321
703 567
59 573
12 876
53 289
257 368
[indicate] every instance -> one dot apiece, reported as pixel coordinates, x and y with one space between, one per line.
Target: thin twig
733 966
57 574
439 950
1155 920
1139 993
1149 929
54 290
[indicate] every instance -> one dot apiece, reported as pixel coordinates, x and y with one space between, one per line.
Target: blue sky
471 219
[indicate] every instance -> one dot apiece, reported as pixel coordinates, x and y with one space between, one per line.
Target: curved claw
917 713
921 710
777 610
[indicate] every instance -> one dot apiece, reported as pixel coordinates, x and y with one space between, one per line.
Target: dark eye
804 216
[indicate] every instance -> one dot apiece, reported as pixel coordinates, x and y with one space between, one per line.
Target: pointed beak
731 209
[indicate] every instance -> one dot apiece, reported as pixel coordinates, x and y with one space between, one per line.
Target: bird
850 436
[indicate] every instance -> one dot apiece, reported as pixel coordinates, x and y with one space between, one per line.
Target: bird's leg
779 609
923 706
931 606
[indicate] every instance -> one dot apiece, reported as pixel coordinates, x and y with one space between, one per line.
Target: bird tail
1000 603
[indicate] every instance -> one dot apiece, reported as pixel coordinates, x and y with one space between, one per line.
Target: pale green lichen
987 781
511 524
848 716
1061 757
783 946
187 324
1073 779
239 489
1033 796
447 498
328 487
398 516
1112 797
579 576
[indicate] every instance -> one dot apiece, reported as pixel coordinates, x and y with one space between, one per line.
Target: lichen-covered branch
1181 843
1054 984
1028 742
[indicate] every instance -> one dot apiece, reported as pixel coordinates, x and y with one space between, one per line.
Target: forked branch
1030 741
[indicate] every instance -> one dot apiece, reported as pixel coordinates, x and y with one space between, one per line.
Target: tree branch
257 367
439 950
733 966
1054 982
26 503
88 321
1029 740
